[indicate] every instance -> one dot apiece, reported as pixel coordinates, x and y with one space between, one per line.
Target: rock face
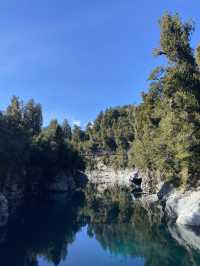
179 205
106 176
151 182
184 207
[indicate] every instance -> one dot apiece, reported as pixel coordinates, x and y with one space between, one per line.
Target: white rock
189 209
184 207
107 176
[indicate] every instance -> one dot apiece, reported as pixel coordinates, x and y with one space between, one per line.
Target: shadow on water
41 230
119 226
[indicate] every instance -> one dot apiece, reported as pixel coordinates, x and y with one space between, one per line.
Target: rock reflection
121 226
142 233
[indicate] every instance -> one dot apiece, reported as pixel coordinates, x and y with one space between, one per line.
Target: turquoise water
94 233
88 251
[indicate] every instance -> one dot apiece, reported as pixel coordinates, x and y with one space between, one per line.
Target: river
92 230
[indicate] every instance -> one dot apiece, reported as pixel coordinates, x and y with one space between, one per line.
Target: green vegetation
162 134
114 204
167 124
32 153
111 133
122 227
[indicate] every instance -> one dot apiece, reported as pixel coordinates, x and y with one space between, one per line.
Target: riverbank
179 204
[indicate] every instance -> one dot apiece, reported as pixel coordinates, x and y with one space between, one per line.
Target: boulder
189 209
184 207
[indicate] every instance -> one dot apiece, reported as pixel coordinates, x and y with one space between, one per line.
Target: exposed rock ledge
106 176
180 205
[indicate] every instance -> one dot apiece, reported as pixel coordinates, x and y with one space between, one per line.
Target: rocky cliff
178 204
106 176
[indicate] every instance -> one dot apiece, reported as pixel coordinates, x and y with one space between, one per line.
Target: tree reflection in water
43 230
120 226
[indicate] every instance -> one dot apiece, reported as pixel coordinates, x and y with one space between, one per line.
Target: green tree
14 112
32 118
67 132
167 124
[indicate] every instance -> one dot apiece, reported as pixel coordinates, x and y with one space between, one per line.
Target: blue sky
78 57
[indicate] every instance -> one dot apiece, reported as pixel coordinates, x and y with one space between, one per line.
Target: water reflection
43 230
95 229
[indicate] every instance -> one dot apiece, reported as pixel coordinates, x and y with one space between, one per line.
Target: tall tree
32 118
67 131
167 127
14 112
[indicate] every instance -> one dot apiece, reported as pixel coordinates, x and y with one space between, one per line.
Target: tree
78 134
167 123
67 132
32 118
14 112
175 39
198 56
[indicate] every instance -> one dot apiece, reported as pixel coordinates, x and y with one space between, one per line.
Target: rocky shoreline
178 204
179 208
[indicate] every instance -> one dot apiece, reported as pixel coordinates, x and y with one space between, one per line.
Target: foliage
111 134
162 134
27 150
167 124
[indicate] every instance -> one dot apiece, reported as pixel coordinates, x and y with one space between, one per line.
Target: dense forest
161 135
167 123
31 152
111 134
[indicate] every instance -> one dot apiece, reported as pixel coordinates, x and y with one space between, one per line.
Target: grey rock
105 176
184 207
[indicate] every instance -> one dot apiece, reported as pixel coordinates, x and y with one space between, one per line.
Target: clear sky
78 57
